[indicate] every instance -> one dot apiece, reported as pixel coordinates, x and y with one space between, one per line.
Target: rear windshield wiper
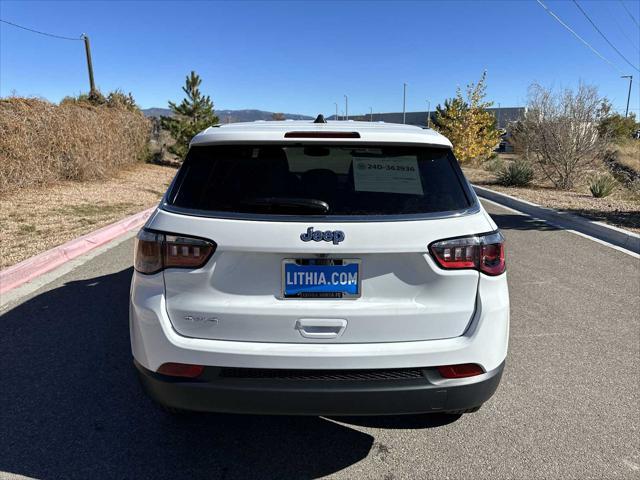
287 203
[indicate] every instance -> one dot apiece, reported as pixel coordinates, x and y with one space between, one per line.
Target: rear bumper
154 341
320 397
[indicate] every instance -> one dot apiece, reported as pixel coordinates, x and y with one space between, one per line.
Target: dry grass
41 142
628 154
621 208
38 218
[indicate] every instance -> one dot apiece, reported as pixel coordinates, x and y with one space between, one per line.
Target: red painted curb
33 267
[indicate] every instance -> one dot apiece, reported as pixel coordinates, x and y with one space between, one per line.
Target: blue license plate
311 280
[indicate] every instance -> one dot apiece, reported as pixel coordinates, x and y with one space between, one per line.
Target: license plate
321 278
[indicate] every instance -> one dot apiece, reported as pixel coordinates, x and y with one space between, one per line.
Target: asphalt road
567 407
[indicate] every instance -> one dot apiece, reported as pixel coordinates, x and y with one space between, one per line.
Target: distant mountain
231 116
156 112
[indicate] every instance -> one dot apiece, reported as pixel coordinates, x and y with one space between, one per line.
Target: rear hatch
320 243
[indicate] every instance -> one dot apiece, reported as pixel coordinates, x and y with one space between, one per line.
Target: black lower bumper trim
291 397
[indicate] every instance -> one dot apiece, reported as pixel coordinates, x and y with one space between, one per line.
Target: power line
83 37
622 30
603 35
579 37
39 32
630 14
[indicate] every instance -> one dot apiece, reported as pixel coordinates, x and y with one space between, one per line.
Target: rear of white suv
320 268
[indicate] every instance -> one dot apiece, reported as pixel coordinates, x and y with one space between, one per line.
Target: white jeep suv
320 268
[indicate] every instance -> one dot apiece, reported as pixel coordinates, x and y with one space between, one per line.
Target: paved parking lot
568 405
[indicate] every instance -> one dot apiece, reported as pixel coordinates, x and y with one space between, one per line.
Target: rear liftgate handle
321 328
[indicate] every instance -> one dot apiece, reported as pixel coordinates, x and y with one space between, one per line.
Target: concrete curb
613 235
31 268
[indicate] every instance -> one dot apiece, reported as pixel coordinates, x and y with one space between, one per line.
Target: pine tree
468 124
191 116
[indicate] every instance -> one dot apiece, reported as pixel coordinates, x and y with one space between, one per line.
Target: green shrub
516 174
602 185
617 127
119 99
494 164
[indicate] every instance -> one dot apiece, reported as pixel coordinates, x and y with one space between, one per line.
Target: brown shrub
559 133
41 142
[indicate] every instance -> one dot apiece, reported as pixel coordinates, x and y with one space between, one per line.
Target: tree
559 132
450 120
277 116
468 124
618 127
194 114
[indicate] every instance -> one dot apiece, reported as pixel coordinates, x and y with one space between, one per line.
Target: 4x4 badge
335 236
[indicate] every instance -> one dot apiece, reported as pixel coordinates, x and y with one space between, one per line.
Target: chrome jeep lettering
335 236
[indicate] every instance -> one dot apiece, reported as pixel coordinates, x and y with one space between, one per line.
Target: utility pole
428 114
371 114
346 107
336 104
630 77
404 103
87 48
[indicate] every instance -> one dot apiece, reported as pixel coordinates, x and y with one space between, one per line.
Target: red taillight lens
147 254
186 251
460 371
484 253
492 258
181 370
157 251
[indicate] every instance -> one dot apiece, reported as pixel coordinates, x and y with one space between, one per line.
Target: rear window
319 180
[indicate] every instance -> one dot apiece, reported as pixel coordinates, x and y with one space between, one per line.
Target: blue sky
302 56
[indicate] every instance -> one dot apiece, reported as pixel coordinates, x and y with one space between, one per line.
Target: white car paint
412 313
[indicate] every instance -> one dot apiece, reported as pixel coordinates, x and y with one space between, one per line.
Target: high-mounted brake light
156 251
320 134
484 253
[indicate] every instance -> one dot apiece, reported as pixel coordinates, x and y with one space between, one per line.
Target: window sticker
387 175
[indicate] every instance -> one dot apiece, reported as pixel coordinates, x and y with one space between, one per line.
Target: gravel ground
35 220
621 208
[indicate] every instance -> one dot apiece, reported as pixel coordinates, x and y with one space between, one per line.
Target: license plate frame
324 264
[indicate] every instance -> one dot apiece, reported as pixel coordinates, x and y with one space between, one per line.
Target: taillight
484 253
460 371
185 370
156 251
147 253
186 252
